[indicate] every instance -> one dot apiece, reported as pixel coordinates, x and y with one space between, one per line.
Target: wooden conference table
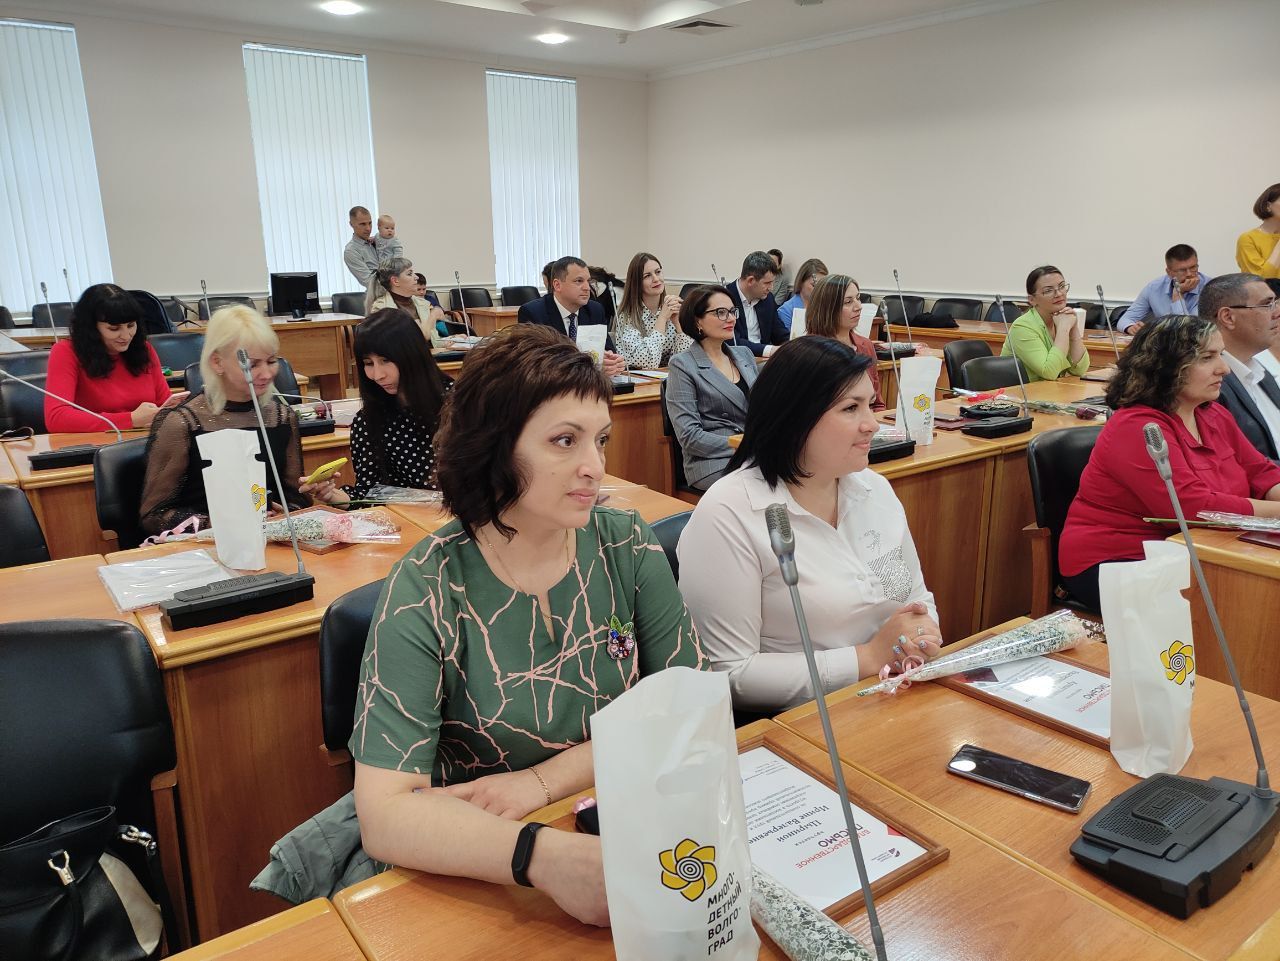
905 741
1096 342
980 904
312 931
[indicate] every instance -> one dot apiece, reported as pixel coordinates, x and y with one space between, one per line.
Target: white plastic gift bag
919 380
235 483
1153 672
673 829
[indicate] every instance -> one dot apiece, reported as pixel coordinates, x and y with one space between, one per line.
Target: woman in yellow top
1258 250
1046 338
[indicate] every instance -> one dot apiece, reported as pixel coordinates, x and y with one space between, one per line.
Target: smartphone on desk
1019 777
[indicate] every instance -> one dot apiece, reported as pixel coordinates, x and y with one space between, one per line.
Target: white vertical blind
533 168
313 148
50 204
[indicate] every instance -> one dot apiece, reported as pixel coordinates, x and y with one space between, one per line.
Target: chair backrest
154 319
1056 459
684 291
516 296
961 308
1011 312
118 474
25 362
988 373
23 541
1118 312
286 381
668 531
473 296
958 352
56 314
6 319
342 637
22 406
83 722
867 298
174 310
1093 319
350 302
915 305
215 302
178 351
673 444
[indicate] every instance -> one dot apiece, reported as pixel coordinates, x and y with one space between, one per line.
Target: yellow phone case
325 471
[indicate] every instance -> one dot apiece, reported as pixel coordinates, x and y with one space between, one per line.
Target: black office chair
517 296
174 311
959 352
25 362
961 308
1011 312
23 541
915 306
472 296
351 302
154 318
118 474
1056 459
1118 312
178 351
84 724
867 298
22 406
214 303
6 320
343 632
668 531
286 382
56 314
989 373
1093 319
684 291
683 491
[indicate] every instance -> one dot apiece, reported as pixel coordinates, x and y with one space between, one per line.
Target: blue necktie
573 327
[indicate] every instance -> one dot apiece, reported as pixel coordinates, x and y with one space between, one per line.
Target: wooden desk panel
65 588
8 473
487 320
1097 343
318 348
310 932
905 741
636 446
977 904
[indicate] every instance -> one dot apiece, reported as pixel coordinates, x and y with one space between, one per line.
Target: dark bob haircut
801 382
1033 278
1262 206
502 382
107 304
695 305
1153 369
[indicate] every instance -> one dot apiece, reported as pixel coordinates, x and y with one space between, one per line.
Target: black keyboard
895 351
230 586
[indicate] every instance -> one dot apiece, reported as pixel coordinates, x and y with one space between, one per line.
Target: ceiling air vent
700 28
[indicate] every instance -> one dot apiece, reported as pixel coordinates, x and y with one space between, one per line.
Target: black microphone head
44 290
1155 440
780 537
242 356
1099 290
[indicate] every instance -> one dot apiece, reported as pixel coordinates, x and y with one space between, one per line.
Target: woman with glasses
707 385
1171 375
834 310
1046 338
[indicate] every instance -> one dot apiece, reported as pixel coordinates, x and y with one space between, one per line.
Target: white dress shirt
1269 362
853 578
1250 375
749 315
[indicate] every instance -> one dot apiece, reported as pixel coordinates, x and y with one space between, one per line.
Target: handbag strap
68 879
159 890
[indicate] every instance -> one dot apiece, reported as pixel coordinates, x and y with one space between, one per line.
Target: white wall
1086 133
170 121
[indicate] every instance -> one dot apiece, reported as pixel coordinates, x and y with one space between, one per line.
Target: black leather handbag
67 892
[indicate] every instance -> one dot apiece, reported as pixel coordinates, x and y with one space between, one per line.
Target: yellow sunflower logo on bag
259 497
689 868
922 402
1179 661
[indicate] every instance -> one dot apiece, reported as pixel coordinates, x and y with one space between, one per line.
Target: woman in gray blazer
707 385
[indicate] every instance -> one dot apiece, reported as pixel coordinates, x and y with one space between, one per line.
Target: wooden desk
8 473
63 497
905 742
245 700
1243 579
1097 343
55 589
10 346
310 932
979 903
487 320
320 347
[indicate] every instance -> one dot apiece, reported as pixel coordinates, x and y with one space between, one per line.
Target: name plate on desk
796 832
1057 693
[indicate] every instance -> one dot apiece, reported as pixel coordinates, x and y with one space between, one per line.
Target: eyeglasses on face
1062 288
1265 305
722 313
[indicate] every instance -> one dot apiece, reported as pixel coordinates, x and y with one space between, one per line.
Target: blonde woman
395 284
648 331
174 486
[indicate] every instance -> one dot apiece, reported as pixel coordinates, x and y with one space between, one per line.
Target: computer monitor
294 291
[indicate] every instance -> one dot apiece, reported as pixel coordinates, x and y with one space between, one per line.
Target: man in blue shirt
1177 292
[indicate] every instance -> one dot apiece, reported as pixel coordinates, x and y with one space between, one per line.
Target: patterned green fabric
460 677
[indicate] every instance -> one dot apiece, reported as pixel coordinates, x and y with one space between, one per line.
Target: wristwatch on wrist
524 853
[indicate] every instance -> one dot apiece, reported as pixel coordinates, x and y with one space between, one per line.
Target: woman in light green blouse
1046 338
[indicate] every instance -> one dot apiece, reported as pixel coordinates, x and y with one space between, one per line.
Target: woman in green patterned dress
498 637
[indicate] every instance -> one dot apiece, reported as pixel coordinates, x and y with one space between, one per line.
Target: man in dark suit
759 327
1244 308
568 306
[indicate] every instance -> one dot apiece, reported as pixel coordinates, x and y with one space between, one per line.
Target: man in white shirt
568 306
1244 308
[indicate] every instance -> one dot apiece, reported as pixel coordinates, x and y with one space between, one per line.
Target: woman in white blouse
807 439
647 333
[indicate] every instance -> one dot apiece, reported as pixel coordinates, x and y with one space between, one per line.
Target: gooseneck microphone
715 276
1176 842
784 548
53 323
204 289
1017 364
1102 302
462 297
71 456
906 320
67 281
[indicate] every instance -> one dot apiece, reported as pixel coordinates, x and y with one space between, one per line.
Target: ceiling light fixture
341 8
552 38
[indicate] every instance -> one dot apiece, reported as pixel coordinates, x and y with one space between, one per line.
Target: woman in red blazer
1170 376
